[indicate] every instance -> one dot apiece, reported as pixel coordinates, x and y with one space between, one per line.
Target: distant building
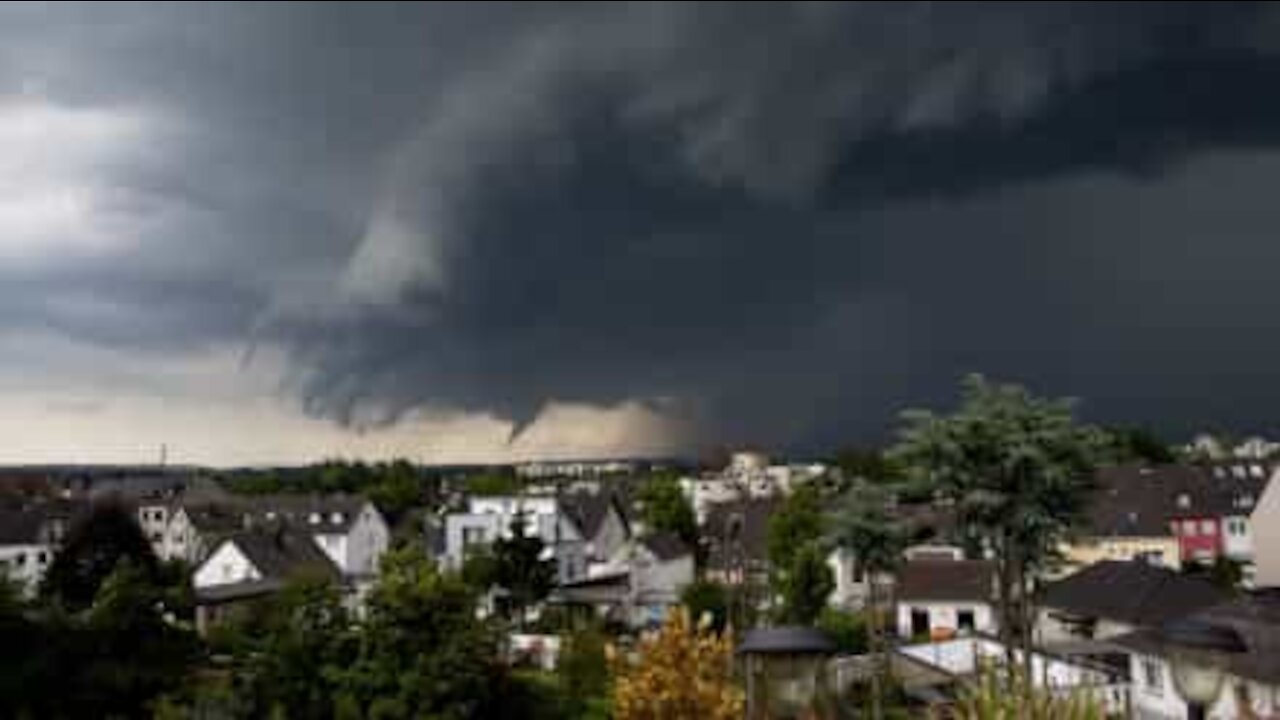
639 586
27 546
488 519
348 528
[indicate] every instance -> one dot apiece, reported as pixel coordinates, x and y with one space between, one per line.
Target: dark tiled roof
588 510
280 552
214 520
21 527
333 513
1256 618
965 580
665 546
1135 592
738 530
1140 501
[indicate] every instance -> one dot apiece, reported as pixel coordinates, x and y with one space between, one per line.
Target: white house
194 530
1265 535
348 528
939 599
639 586
1253 677
254 563
490 518
1112 598
26 547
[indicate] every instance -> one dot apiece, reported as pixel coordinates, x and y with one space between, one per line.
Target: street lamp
1199 653
783 669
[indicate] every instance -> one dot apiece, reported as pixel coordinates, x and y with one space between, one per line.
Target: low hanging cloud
770 224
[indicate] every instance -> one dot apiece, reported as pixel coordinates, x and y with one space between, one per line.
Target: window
1184 500
314 518
472 536
1189 528
336 518
1208 527
20 559
42 558
1152 676
964 620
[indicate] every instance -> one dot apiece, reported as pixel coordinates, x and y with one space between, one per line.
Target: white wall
493 516
1160 700
367 540
1237 537
851 589
1265 530
227 565
945 616
25 564
656 585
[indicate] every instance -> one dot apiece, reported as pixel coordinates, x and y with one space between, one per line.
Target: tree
1019 469
681 671
493 483
583 671
91 552
798 571
422 651
805 586
299 645
867 465
1136 444
666 509
518 568
864 527
707 600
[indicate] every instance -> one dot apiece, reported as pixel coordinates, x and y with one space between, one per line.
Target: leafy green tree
847 629
1019 469
1136 444
805 585
798 570
799 522
583 672
518 568
665 508
302 639
422 651
129 654
493 483
864 527
867 465
707 599
396 489
92 550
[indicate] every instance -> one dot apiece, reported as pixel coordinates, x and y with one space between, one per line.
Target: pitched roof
1137 500
278 551
328 513
21 527
665 546
214 520
738 530
588 510
964 580
1255 617
1133 592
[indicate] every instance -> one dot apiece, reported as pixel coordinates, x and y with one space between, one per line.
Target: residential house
1112 598
195 529
601 522
748 475
1265 535
1127 519
941 598
153 496
1253 677
949 665
27 546
255 563
735 540
489 518
348 528
640 585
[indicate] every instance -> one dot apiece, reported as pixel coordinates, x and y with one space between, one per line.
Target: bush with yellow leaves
682 671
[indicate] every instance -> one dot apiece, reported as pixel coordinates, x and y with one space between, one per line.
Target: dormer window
1184 501
336 518
1255 470
1219 472
314 518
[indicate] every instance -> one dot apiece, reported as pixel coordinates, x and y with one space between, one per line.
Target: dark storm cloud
780 221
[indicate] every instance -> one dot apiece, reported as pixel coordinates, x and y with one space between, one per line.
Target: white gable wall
227 565
1265 536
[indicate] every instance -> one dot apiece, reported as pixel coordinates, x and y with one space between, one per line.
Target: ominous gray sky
280 232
